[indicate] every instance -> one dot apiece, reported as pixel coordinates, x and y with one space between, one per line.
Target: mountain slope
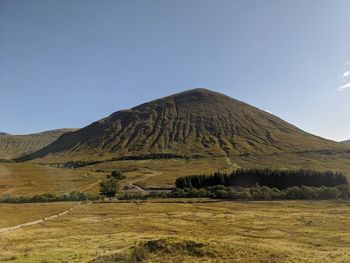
194 122
12 146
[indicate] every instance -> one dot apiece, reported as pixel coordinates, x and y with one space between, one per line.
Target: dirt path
5 229
5 172
90 186
132 185
10 228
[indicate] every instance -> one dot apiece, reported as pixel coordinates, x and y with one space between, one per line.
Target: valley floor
179 231
26 179
194 230
29 179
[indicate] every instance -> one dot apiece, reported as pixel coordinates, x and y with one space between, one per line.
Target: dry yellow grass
30 179
14 214
167 169
313 231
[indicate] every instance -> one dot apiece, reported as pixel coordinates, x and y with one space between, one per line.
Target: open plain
195 230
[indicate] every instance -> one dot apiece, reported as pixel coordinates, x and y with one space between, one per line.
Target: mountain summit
194 122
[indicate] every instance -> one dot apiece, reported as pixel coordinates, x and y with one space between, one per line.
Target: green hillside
197 122
12 146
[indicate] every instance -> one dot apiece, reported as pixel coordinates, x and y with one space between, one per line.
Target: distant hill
347 142
195 122
12 146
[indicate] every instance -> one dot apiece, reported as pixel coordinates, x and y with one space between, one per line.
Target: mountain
347 142
195 122
12 146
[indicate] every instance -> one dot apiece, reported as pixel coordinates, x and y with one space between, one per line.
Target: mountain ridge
193 122
14 146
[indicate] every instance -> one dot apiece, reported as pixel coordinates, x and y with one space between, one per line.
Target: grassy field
30 179
166 171
289 231
14 214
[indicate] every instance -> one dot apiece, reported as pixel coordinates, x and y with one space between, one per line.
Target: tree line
151 156
251 193
48 197
279 185
273 178
213 192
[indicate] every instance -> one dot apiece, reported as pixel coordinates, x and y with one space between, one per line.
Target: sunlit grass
30 179
288 231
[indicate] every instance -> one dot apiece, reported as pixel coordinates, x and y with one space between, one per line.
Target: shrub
109 187
241 195
178 193
265 193
344 191
294 193
131 196
204 193
329 192
118 175
308 192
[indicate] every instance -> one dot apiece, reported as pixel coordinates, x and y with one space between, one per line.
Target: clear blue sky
68 63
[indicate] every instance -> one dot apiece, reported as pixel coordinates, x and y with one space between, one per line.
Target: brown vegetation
288 231
14 146
191 123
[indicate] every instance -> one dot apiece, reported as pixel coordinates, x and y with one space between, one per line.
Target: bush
118 175
328 192
294 193
157 195
109 187
240 195
204 193
344 191
77 196
132 196
44 198
308 192
178 193
265 193
221 194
